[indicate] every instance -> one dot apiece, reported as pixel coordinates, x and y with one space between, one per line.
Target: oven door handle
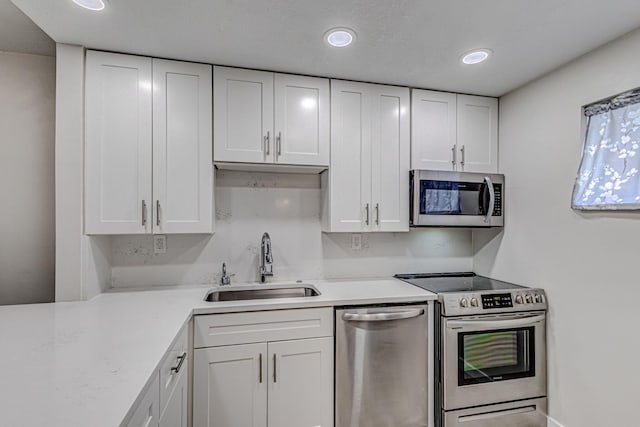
492 324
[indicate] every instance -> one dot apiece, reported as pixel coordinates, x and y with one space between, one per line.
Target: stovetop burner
456 282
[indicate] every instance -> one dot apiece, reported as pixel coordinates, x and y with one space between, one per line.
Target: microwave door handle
492 199
491 324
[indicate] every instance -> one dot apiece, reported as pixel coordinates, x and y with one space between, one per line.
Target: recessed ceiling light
340 37
90 4
476 56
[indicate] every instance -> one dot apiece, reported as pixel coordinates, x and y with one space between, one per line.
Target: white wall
586 262
27 111
288 207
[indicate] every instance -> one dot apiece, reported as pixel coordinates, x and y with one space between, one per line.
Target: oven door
491 359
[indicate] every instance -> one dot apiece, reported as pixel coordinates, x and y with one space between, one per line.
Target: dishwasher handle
382 317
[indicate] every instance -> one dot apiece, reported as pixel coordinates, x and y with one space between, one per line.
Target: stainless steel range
490 344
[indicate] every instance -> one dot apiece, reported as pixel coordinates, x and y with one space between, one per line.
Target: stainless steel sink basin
262 292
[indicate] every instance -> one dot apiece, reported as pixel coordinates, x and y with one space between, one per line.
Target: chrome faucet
266 258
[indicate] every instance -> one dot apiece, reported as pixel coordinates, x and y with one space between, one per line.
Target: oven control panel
496 301
456 304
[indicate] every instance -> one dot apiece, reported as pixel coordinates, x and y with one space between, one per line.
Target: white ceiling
406 42
19 34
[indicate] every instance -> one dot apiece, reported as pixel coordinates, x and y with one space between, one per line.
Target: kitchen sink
262 292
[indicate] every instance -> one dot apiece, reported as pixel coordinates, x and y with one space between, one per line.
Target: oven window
495 355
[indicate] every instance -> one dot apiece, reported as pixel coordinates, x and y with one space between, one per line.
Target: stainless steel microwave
456 199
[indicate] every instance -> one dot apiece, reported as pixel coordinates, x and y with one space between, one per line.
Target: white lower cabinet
175 413
147 413
165 402
230 386
301 383
286 383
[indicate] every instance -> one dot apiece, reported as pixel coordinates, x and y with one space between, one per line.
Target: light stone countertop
83 364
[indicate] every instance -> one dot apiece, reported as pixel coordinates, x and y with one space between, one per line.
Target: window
608 177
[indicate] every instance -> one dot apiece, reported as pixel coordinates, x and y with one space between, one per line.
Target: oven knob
519 299
537 298
528 298
474 302
463 302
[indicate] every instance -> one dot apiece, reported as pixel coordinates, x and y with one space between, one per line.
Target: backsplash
288 207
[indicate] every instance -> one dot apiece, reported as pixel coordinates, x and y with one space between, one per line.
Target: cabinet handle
181 359
366 208
144 213
266 143
462 153
158 213
377 213
279 143
260 368
275 377
453 156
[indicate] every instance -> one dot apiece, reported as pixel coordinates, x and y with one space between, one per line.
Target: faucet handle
225 280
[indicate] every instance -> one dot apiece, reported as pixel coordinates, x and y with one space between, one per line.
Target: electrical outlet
160 244
356 242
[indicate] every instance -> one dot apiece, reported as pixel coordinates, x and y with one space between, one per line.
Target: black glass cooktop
455 282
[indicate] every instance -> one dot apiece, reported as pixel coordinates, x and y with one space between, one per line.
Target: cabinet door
182 148
175 413
302 120
390 159
230 386
242 115
117 144
301 383
478 133
349 184
433 130
146 413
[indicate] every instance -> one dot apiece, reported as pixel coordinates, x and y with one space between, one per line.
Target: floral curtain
608 177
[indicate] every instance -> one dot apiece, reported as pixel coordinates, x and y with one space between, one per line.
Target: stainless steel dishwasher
381 367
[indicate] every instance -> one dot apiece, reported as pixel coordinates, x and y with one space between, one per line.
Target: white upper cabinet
242 115
390 159
367 185
182 148
347 184
433 130
118 144
301 120
148 163
454 132
478 133
267 118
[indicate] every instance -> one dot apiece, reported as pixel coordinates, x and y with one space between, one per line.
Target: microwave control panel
497 301
497 207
